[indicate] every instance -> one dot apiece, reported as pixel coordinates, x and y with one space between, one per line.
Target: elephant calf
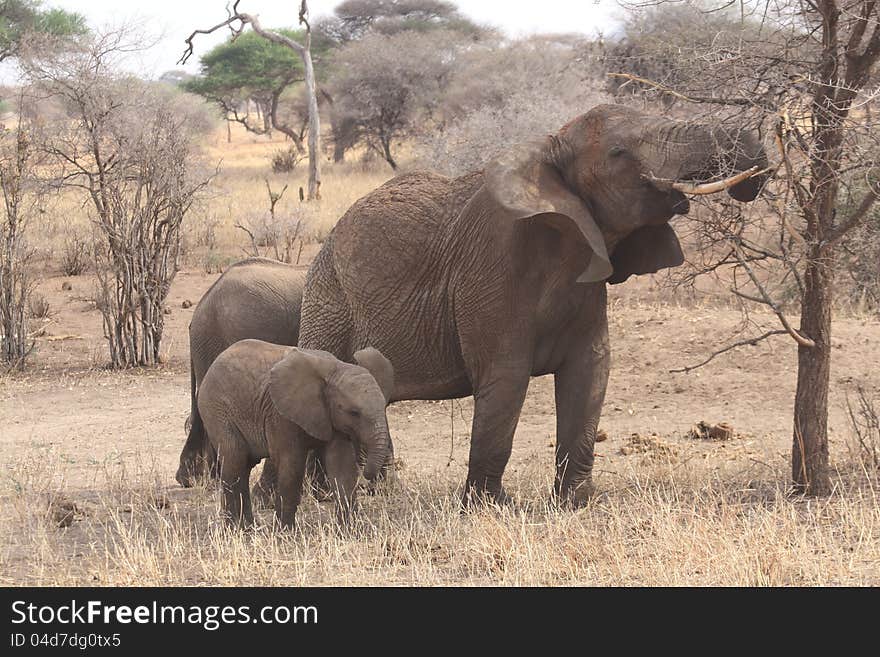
260 399
254 298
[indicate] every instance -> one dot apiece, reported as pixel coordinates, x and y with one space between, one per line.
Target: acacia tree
388 87
130 147
236 22
354 19
20 18
250 70
798 70
353 119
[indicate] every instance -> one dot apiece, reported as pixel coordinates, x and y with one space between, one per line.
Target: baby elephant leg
340 461
317 476
235 471
291 468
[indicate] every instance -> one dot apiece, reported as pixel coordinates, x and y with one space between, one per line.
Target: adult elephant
255 298
472 285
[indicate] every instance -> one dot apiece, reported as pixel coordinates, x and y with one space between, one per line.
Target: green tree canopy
355 19
251 70
248 66
21 17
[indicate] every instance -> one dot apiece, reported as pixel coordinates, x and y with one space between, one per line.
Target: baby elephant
260 399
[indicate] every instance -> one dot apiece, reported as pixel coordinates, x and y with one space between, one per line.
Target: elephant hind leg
198 458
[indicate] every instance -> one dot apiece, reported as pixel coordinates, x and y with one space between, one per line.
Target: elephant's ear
645 251
296 385
380 367
525 182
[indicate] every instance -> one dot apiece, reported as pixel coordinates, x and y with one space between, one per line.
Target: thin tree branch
800 339
691 99
233 16
749 297
254 22
854 219
742 343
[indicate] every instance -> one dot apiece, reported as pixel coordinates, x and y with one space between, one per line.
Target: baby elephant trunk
378 447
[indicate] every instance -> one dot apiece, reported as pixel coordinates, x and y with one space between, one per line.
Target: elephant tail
197 458
195 419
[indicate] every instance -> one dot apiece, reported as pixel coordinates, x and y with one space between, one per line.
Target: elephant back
396 228
383 259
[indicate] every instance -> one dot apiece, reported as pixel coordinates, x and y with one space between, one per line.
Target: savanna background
90 433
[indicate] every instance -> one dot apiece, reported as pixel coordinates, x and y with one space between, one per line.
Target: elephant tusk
711 187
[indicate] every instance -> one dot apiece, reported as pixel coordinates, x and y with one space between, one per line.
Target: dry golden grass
653 524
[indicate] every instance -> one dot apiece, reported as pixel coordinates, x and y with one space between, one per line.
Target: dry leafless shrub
276 234
130 147
865 424
22 199
287 159
38 306
802 75
387 88
76 253
860 262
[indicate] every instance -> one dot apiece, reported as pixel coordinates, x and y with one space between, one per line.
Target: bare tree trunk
228 131
386 153
314 122
304 51
809 459
285 128
338 152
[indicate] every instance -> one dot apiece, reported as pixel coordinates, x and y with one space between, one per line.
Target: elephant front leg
235 473
340 461
291 469
497 405
580 393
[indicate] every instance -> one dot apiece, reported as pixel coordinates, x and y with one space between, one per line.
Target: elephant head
614 177
321 395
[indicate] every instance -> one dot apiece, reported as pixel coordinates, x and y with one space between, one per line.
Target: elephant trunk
710 160
739 158
750 154
378 448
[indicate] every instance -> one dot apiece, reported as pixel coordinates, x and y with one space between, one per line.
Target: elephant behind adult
256 298
472 285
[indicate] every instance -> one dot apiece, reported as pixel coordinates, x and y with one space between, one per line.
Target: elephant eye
616 151
354 413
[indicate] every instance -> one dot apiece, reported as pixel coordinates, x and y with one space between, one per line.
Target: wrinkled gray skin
260 399
473 285
255 298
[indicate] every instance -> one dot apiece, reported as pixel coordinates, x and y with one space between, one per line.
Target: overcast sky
171 21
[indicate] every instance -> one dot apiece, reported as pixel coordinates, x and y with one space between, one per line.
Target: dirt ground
68 409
